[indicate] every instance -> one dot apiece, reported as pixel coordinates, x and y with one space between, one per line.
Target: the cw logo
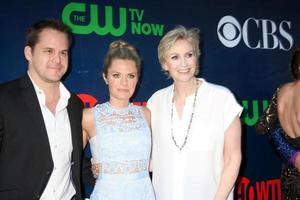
93 25
75 15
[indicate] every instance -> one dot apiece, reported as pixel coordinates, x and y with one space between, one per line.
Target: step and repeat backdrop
246 46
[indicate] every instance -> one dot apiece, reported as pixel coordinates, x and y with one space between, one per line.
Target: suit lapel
34 110
74 126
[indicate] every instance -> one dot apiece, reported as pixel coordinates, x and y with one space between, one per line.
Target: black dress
286 147
290 176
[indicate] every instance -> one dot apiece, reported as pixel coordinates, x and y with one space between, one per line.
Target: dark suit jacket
25 157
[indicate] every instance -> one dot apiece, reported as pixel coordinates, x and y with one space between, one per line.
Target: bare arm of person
147 114
88 125
232 159
89 131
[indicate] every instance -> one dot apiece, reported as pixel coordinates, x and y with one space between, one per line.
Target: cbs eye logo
256 33
229 31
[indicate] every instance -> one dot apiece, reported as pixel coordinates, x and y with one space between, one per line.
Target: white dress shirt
194 172
59 186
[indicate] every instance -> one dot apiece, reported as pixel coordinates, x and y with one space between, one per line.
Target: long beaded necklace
190 122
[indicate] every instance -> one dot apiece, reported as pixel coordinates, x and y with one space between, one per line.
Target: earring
104 78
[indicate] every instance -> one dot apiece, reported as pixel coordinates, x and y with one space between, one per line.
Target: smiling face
121 78
48 59
181 61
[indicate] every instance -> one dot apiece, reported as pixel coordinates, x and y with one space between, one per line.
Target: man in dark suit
40 122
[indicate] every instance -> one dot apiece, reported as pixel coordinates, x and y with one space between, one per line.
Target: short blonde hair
179 33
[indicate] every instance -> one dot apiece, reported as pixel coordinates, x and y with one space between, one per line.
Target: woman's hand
95 169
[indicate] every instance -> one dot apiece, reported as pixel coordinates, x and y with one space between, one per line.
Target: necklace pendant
189 125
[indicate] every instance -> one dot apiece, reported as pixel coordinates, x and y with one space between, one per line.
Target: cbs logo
255 33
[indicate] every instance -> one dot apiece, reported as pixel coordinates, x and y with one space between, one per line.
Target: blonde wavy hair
178 33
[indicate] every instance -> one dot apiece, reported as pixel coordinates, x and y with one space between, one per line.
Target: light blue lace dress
122 146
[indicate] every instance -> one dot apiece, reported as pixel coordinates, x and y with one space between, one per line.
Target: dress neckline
117 108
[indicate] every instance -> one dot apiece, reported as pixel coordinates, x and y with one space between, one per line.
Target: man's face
48 59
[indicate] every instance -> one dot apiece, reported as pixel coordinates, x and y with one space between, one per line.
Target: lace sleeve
282 146
269 123
269 118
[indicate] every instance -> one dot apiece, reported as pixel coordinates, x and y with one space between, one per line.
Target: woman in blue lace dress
280 121
118 131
